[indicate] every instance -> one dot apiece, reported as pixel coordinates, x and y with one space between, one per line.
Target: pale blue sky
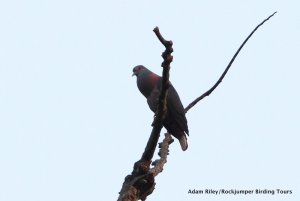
72 121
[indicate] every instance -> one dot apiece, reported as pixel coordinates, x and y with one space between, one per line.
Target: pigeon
175 121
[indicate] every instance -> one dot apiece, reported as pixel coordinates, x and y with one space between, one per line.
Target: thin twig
208 92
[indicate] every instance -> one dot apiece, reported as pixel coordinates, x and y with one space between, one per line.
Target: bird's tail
183 142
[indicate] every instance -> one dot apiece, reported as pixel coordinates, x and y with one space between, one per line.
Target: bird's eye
139 68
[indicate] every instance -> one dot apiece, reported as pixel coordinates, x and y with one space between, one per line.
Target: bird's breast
146 86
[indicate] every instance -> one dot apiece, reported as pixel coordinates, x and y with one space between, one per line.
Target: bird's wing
176 110
152 99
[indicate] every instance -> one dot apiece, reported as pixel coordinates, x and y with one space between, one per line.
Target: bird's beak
133 74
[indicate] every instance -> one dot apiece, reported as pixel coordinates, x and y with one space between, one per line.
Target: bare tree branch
208 92
161 109
141 183
163 153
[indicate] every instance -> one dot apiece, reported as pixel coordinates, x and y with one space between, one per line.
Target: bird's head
138 70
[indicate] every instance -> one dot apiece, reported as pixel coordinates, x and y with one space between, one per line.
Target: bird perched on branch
175 121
